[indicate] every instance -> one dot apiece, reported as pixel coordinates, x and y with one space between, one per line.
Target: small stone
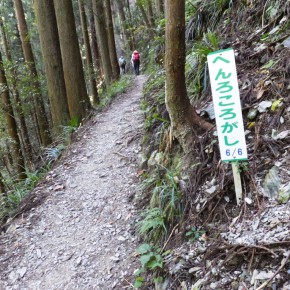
79 260
22 271
121 238
12 276
38 253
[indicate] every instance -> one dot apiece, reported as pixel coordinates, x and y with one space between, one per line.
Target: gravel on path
82 236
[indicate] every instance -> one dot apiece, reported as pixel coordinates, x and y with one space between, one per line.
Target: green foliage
196 64
154 101
243 166
10 201
152 225
151 260
113 90
164 208
74 122
194 233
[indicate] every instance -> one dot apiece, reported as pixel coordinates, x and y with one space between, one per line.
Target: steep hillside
212 243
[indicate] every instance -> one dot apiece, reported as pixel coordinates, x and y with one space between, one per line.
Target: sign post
228 112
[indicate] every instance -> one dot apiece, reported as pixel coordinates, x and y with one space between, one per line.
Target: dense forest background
59 64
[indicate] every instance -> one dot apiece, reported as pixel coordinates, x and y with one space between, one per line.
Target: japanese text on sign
227 105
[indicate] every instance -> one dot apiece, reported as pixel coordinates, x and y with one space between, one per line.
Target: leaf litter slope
81 236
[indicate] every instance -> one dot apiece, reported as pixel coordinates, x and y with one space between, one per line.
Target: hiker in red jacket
135 60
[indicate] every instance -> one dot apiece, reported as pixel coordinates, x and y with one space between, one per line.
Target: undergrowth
118 87
17 190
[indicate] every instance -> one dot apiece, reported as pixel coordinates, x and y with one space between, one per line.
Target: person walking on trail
122 64
135 60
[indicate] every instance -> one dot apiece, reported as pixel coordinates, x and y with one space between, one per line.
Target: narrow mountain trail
82 236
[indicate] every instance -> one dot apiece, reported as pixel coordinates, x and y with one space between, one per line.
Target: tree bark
2 185
102 37
50 49
159 7
150 12
183 117
78 100
89 58
42 120
144 15
128 39
94 43
18 159
18 103
111 40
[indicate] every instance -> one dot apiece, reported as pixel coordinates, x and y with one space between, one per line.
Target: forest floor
81 235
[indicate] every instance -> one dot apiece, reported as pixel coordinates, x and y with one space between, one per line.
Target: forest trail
81 236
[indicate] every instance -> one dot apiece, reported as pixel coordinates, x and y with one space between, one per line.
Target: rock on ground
81 236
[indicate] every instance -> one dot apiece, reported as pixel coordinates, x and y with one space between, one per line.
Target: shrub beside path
81 236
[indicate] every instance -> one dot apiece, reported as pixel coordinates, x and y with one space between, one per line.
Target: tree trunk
129 9
50 49
128 39
144 15
159 7
18 103
182 115
94 43
2 185
150 12
29 58
102 37
78 100
111 40
89 58
11 124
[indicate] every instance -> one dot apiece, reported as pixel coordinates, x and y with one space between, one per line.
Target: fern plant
152 226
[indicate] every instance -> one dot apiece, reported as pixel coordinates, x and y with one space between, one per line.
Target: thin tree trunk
144 15
89 59
18 103
77 96
29 58
129 9
94 43
11 124
150 12
102 37
128 39
111 40
50 48
2 185
159 7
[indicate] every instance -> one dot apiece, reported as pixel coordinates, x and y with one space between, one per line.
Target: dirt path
81 236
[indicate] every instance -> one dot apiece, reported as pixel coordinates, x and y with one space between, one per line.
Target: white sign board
227 105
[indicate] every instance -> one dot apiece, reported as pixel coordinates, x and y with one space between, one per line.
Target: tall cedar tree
143 12
42 120
128 39
50 49
89 58
18 102
94 43
184 119
78 100
18 159
102 37
150 12
111 40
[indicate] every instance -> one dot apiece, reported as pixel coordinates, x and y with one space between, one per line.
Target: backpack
136 56
122 61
